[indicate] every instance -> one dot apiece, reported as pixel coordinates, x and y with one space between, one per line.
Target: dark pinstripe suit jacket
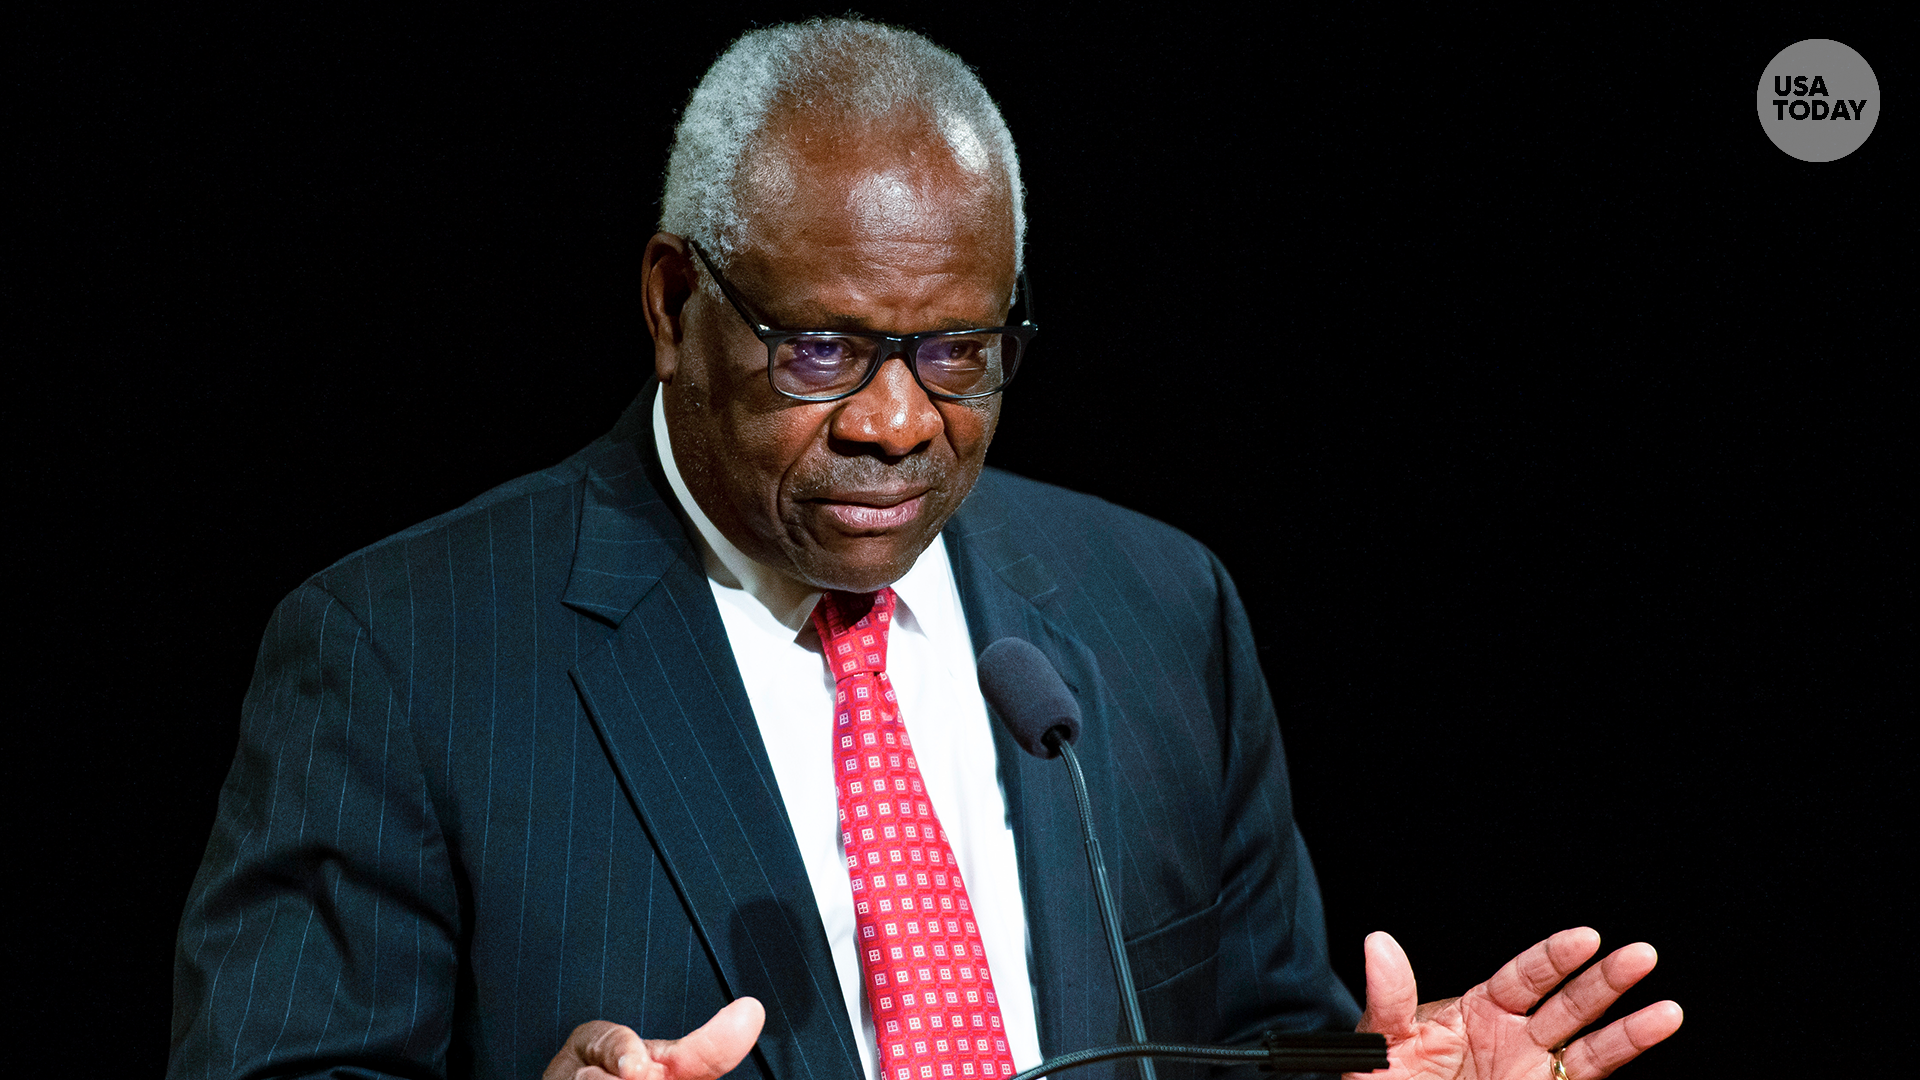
498 775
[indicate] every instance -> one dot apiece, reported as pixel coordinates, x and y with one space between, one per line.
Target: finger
1616 1044
1526 978
718 1045
594 1052
1392 996
620 1053
1582 1000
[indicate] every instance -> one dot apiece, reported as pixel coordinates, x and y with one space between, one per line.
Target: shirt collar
926 590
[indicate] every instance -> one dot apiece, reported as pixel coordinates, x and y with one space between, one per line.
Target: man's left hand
1487 1034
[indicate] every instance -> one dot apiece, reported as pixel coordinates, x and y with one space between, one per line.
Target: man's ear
667 281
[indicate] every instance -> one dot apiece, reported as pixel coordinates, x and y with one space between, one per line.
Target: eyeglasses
827 365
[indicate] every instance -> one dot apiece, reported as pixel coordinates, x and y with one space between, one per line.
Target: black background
1548 416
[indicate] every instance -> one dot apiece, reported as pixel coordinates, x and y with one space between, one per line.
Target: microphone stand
1313 1052
1098 866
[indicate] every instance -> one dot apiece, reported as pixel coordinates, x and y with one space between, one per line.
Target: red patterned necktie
927 984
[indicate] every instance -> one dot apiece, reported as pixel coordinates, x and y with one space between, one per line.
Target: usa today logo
1818 100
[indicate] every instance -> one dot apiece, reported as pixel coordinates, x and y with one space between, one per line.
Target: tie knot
853 631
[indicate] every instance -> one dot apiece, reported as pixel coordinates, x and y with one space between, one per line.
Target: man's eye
821 351
956 352
809 365
820 357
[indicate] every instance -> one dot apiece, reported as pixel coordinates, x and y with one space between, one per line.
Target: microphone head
1021 684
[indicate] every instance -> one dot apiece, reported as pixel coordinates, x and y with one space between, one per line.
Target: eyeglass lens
822 365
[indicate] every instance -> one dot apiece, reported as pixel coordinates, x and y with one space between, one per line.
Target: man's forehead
884 204
874 202
794 151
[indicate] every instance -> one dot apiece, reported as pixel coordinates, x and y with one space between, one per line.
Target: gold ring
1559 1067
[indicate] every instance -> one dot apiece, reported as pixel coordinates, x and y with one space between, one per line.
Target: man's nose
891 413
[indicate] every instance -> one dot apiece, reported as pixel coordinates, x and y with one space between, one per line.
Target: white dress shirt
930 663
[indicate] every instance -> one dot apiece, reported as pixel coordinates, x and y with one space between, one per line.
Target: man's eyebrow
835 320
852 323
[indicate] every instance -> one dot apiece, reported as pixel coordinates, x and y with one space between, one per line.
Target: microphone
1024 689
1021 684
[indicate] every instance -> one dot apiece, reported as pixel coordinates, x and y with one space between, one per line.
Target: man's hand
598 1050
1487 1035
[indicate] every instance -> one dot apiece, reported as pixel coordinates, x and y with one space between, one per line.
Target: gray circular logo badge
1818 100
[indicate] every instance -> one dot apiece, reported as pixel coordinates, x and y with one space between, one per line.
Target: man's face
876 230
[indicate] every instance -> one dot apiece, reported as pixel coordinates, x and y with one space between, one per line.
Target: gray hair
846 71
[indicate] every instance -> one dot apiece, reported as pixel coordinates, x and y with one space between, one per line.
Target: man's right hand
598 1050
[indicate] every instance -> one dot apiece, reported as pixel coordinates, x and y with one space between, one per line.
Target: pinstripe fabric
1180 743
497 775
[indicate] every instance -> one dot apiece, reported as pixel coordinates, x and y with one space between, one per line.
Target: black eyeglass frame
906 347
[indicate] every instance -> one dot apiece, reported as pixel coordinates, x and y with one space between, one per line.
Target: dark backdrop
1549 417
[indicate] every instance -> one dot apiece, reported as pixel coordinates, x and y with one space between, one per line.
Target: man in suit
558 770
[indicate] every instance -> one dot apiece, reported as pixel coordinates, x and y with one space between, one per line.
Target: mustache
868 473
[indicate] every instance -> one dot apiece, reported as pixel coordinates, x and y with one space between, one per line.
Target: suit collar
630 531
983 526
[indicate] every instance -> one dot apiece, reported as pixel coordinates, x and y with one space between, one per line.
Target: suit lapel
665 696
1009 591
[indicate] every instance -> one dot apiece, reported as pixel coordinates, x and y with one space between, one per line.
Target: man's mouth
872 511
